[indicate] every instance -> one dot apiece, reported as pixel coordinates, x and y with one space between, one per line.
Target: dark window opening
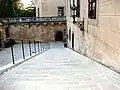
38 12
60 11
78 9
92 9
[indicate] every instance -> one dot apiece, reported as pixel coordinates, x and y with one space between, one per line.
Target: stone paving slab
60 69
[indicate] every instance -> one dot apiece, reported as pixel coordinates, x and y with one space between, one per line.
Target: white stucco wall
102 35
49 8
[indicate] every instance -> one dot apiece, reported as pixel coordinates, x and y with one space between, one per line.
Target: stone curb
11 65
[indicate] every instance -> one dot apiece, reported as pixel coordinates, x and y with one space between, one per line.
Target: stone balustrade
33 19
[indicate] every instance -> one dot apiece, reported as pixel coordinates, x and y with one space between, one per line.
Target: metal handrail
38 47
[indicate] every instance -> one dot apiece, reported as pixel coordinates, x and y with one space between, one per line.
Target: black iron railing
33 47
33 19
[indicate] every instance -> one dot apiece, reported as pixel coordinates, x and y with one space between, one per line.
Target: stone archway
59 36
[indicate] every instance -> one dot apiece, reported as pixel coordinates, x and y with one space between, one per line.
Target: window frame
61 12
78 9
92 9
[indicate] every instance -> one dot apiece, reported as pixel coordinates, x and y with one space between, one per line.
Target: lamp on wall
81 26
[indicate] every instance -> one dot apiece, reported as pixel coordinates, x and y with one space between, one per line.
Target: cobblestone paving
60 69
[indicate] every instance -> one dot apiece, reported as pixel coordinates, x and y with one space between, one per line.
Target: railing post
30 48
23 50
38 47
34 46
12 52
43 46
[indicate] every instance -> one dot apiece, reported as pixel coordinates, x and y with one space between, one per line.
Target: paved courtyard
60 69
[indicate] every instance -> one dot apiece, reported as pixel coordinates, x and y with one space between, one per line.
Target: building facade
48 25
50 8
94 32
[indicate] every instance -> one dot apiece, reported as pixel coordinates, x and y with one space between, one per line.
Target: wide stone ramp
59 69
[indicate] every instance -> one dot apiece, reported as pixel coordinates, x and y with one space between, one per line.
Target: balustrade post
30 48
12 52
23 49
38 47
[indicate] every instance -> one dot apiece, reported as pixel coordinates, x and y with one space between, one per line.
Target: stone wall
2 35
101 41
38 32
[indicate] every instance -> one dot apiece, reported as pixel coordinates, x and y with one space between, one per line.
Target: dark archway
7 33
59 36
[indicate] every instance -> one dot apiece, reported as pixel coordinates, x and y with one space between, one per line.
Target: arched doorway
59 36
7 33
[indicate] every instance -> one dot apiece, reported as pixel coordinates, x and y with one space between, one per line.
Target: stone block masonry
42 32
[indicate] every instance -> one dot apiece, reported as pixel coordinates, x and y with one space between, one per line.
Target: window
92 9
70 8
78 9
75 3
60 11
38 12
